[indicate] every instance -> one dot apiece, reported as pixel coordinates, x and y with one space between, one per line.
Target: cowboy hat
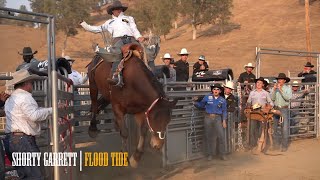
21 76
27 51
202 58
265 83
229 85
216 85
295 84
116 5
256 106
283 76
68 58
184 51
308 64
249 65
166 56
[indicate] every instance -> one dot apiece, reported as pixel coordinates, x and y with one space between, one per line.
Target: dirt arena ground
300 162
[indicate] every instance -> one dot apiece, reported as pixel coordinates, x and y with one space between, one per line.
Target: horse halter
148 121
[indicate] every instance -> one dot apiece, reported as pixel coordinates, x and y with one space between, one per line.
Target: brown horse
141 95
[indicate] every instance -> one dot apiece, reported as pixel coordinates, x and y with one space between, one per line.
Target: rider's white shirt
117 26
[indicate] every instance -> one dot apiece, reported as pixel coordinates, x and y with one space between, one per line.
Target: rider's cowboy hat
21 76
295 84
166 56
68 58
265 83
216 85
308 64
202 58
229 85
249 65
116 5
27 51
184 51
283 76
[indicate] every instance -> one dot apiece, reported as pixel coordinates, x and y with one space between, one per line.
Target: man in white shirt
122 28
23 121
75 76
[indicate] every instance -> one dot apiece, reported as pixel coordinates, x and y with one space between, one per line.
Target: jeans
255 132
281 137
214 131
25 143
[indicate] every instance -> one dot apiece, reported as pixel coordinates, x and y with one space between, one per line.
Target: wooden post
308 33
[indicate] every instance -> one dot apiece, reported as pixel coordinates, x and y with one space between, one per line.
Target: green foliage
24 23
206 11
154 15
3 3
67 12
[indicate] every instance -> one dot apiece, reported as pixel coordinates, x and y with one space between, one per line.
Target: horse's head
158 117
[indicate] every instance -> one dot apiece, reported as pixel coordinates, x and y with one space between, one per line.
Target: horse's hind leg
136 156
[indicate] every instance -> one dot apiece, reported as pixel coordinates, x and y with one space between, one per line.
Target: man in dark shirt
182 66
201 65
247 77
308 73
230 98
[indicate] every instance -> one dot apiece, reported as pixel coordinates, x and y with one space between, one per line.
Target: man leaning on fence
281 95
215 120
23 119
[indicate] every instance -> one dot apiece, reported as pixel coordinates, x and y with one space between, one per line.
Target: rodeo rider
122 28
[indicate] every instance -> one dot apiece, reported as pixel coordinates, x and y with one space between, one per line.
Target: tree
205 11
3 3
20 15
154 15
68 13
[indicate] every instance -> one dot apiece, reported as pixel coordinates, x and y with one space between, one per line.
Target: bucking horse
141 95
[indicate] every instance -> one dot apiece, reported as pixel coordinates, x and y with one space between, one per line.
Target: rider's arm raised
95 29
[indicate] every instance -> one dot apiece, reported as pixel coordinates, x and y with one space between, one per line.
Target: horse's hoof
93 132
133 162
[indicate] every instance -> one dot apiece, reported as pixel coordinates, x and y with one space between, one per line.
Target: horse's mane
152 78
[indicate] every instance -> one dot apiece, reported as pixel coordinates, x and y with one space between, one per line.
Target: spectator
29 62
230 98
201 65
182 66
308 73
248 76
169 62
3 98
215 121
257 97
297 96
281 95
75 76
23 121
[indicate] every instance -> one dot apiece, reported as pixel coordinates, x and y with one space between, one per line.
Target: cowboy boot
116 75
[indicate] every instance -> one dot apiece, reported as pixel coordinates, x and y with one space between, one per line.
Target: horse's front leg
136 156
93 130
